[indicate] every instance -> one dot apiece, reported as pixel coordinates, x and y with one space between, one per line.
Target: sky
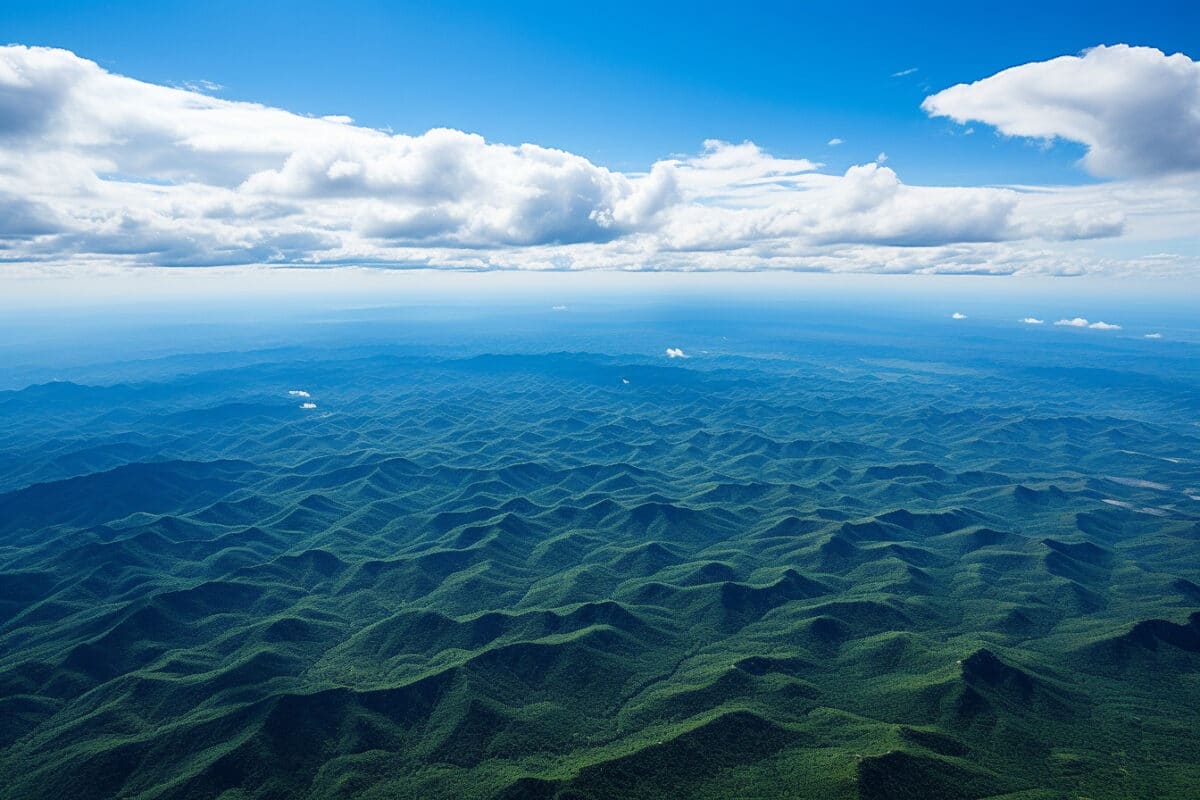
1053 139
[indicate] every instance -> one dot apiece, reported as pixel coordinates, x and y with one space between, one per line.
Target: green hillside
925 575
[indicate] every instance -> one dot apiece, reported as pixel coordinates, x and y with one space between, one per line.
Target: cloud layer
101 169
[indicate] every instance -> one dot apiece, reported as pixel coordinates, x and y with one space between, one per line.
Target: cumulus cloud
1033 321
1080 322
1136 109
675 352
958 315
298 393
101 170
455 188
159 167
308 405
834 142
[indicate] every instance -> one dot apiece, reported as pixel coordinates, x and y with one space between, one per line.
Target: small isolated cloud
834 142
904 72
308 405
1152 336
1080 322
298 393
881 158
202 86
675 352
1033 321
558 308
625 381
958 315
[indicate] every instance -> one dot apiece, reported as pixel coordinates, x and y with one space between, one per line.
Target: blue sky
625 83
667 136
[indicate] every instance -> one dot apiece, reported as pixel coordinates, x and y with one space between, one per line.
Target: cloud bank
102 170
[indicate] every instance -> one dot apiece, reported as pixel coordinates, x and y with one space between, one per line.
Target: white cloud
558 308
308 405
100 171
298 393
1152 336
1136 109
834 142
201 85
958 315
881 158
904 72
1080 322
675 352
1033 321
